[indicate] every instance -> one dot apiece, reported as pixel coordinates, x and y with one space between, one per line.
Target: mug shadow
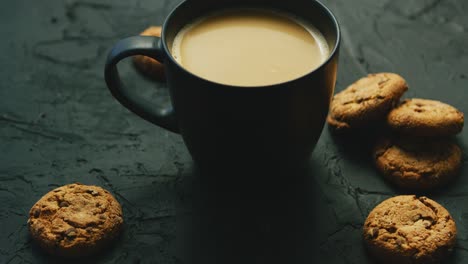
357 146
253 216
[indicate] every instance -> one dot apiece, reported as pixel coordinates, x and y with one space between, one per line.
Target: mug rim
332 54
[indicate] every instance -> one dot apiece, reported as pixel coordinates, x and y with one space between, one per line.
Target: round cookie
75 220
417 165
409 230
367 100
146 65
422 117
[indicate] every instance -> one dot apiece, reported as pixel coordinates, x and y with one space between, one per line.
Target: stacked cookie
414 152
150 67
365 102
418 154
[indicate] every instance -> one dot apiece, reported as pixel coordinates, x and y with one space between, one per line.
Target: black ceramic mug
224 124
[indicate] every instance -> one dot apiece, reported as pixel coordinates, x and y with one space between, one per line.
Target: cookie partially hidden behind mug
75 220
366 101
429 118
409 229
417 164
149 66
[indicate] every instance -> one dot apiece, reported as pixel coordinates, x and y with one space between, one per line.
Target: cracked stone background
59 124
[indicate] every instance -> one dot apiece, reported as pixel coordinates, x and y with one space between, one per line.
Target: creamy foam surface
250 47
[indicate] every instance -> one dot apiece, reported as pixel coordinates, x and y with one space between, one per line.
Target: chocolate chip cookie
149 66
409 229
367 100
422 117
417 164
75 220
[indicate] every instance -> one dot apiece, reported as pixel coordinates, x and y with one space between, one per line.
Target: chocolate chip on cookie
367 100
409 229
417 165
422 117
75 220
146 65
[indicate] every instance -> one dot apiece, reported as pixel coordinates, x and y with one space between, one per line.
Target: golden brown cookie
415 164
367 100
422 117
409 230
149 66
75 220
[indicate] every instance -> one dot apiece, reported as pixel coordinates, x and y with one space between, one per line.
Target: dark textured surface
59 124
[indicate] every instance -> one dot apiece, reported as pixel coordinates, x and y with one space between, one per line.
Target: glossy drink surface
249 47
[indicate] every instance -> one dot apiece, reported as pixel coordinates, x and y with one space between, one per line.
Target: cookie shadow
103 255
456 183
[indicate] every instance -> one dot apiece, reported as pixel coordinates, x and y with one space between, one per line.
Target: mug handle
138 45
